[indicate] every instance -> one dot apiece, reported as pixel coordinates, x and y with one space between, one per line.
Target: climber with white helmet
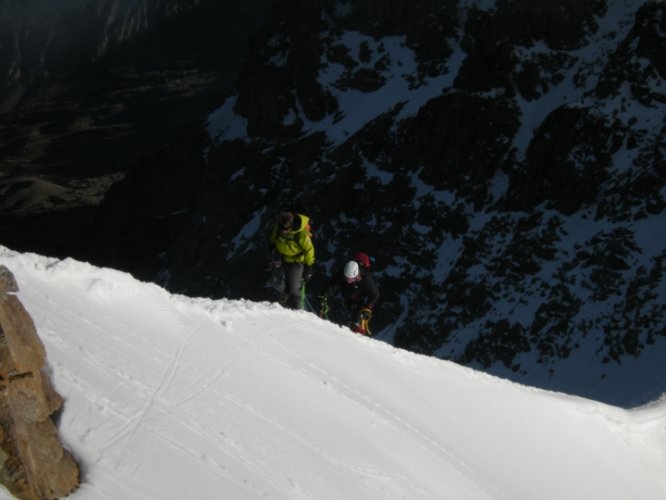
359 291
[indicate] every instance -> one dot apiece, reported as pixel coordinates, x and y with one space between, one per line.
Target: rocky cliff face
33 463
503 161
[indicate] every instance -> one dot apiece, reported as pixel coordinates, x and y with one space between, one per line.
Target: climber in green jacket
291 239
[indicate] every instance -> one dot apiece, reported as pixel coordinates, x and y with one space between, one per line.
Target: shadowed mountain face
87 88
503 161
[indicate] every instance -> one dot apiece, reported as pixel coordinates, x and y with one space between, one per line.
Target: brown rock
26 351
7 281
33 462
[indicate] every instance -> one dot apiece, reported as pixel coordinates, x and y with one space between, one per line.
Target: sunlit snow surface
168 397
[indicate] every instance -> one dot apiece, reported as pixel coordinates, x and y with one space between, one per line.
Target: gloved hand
274 264
307 273
356 328
366 313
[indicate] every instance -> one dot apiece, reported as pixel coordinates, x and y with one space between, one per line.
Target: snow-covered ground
168 397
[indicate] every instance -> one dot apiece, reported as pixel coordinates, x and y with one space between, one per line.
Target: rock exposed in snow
33 462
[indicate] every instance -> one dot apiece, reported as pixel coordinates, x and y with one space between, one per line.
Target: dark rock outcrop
568 160
33 463
640 59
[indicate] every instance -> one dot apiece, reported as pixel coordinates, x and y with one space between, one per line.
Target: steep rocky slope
503 161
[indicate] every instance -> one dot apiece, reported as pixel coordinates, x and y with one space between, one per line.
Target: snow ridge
168 396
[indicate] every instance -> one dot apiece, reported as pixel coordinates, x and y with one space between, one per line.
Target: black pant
287 279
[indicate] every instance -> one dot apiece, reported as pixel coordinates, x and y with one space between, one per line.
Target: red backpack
362 259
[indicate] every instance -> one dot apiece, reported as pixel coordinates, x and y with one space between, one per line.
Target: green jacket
296 245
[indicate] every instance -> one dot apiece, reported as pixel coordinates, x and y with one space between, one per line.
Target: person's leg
294 276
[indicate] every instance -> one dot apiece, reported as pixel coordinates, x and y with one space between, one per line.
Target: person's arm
305 242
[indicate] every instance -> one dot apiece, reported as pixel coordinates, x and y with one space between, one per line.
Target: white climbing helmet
351 271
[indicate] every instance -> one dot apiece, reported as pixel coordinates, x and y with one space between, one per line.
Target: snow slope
169 397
